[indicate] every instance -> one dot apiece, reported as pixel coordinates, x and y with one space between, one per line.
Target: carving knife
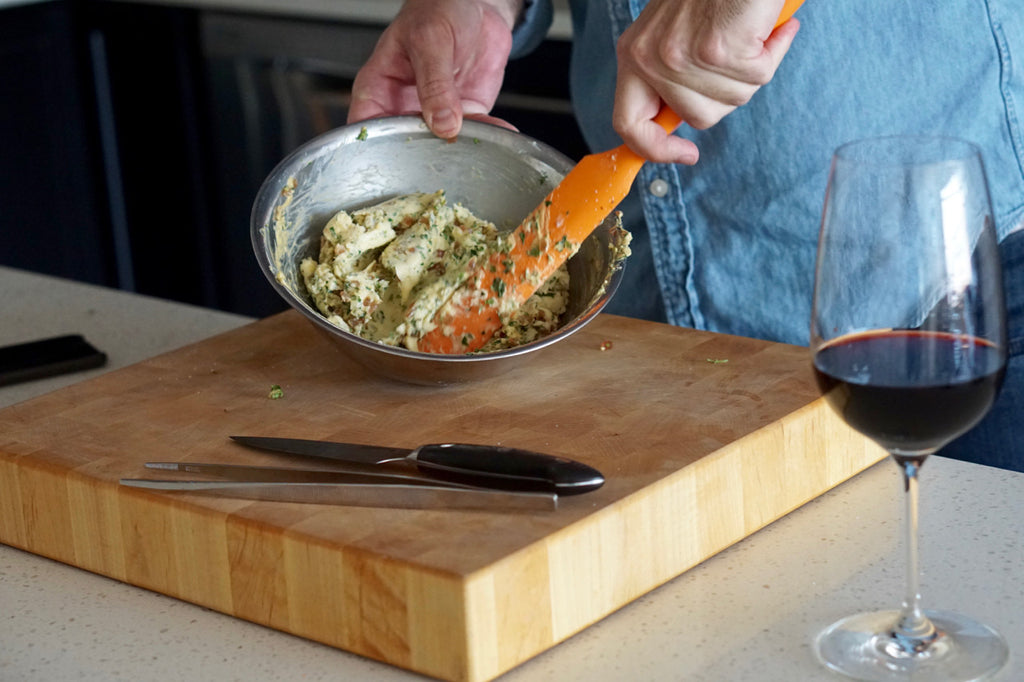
487 466
393 495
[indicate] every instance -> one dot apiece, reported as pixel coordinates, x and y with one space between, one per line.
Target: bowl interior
497 174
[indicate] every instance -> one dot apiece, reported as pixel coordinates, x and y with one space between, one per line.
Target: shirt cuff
532 27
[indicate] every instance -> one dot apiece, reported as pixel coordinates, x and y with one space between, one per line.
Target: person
725 215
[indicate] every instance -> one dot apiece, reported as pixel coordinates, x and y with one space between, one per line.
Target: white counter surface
749 613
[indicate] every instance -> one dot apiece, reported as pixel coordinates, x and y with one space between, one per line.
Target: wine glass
909 345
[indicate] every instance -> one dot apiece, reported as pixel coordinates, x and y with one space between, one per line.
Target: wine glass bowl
908 337
924 388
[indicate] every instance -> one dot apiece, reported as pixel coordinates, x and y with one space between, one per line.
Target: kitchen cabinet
148 78
103 139
141 133
53 217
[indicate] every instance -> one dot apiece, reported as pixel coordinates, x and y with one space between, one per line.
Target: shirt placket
664 209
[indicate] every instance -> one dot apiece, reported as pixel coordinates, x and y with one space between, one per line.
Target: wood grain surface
703 438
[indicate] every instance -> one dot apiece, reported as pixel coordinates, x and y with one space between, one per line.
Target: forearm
443 58
510 10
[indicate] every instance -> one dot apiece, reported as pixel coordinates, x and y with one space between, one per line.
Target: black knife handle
494 466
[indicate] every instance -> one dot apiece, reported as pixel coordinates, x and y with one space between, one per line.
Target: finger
704 100
435 86
781 40
699 110
635 101
493 120
734 85
653 144
361 110
761 68
380 99
762 60
363 107
384 86
636 105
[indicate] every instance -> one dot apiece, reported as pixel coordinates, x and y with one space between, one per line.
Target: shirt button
658 188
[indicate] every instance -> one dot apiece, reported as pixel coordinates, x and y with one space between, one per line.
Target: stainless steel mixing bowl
498 174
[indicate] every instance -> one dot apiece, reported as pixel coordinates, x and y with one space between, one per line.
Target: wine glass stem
914 633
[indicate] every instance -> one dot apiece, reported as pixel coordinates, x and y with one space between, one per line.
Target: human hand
701 58
442 58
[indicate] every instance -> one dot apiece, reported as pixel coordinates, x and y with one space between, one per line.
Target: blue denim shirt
729 245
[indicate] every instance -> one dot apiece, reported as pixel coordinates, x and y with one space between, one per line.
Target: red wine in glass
909 390
908 339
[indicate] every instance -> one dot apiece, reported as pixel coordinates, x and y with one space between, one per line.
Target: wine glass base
863 647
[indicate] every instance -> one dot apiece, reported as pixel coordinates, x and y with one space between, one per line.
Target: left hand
442 58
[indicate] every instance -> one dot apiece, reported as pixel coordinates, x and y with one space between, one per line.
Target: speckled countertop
749 613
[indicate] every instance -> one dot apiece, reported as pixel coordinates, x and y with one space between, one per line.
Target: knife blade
491 466
261 474
360 494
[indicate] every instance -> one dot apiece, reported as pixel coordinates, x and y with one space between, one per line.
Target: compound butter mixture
384 272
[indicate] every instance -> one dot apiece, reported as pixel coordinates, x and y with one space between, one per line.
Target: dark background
136 136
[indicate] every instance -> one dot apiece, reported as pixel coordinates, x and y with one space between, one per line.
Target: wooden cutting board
703 439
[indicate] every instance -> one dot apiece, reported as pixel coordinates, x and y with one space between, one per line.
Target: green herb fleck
534 251
718 361
362 134
276 392
498 285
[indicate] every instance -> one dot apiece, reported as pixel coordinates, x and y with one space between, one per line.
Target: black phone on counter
48 357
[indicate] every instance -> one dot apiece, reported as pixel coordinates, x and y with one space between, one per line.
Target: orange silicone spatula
542 242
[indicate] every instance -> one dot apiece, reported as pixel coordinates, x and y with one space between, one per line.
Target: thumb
781 39
435 87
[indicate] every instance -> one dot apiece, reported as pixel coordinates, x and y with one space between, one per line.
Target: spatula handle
569 213
495 466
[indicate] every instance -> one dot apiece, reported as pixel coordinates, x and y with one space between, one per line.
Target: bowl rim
266 201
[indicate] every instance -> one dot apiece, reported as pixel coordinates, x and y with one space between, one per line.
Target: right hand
444 59
701 58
